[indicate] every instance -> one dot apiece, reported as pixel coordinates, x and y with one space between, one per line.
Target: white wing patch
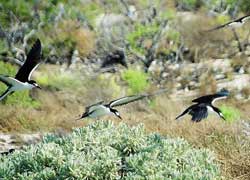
33 70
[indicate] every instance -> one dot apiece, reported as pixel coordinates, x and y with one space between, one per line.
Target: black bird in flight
233 24
22 79
203 105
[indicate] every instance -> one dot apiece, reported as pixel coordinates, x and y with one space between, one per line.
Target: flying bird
233 24
203 105
22 79
100 109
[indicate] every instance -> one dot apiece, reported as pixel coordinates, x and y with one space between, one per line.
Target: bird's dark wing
198 113
242 19
219 27
126 100
209 98
96 104
32 61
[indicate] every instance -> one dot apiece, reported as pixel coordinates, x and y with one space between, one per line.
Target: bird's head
34 84
223 92
116 113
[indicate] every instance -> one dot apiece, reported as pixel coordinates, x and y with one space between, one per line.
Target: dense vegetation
104 151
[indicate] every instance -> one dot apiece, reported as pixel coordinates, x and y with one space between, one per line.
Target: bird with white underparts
22 79
204 105
100 109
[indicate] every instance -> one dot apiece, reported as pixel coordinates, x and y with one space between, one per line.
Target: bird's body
203 106
97 111
233 24
22 79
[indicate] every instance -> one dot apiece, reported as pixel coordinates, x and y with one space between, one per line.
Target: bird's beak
223 118
221 115
119 116
38 87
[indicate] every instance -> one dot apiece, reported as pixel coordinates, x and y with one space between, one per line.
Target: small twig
156 39
27 37
237 39
12 60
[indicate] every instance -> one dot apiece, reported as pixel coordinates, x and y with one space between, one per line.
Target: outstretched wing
197 111
244 18
210 98
241 19
96 104
219 27
31 63
126 100
9 81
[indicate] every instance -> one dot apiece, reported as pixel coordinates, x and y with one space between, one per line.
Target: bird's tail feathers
182 114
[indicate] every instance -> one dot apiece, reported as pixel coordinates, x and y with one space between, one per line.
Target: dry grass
203 44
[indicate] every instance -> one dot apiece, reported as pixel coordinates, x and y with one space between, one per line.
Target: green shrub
104 151
244 5
141 32
230 113
222 19
136 80
189 4
21 98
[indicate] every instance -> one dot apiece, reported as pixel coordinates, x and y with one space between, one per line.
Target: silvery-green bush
105 151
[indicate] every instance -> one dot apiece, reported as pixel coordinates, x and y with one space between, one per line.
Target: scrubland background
165 46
